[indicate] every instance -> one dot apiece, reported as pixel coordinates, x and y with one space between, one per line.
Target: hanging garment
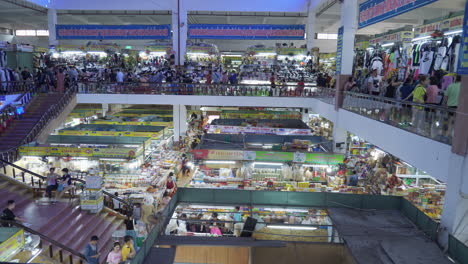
439 57
446 81
377 64
426 61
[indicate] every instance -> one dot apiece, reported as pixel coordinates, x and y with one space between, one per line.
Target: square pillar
179 121
51 23
179 31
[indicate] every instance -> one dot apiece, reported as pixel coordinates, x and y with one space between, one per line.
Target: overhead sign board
227 31
99 32
374 11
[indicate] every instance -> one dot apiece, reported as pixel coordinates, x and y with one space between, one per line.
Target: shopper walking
91 251
452 93
128 251
115 256
374 84
419 95
60 81
51 182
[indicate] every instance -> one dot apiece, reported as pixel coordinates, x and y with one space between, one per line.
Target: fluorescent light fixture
421 38
157 53
219 162
388 44
231 55
293 210
267 163
100 53
316 166
197 53
454 32
292 227
260 54
72 52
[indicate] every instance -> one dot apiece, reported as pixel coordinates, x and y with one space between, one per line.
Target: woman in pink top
115 256
432 91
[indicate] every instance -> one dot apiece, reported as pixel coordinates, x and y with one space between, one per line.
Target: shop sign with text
446 25
339 50
374 11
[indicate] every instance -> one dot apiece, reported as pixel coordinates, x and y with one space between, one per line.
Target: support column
349 23
455 213
340 136
179 121
179 31
51 22
310 29
105 109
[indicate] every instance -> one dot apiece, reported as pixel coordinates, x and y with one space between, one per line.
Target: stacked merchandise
321 126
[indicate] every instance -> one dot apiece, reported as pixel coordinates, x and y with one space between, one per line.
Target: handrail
73 179
395 101
43 121
48 239
198 84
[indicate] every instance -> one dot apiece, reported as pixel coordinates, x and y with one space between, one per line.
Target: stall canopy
275 142
94 140
279 123
103 130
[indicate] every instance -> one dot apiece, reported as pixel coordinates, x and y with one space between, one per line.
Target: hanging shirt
439 57
426 62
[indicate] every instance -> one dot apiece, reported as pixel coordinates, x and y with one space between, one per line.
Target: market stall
103 130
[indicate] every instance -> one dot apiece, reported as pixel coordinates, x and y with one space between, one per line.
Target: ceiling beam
26 5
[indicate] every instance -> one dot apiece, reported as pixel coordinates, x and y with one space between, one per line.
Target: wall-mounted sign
446 25
99 32
225 31
374 11
339 50
463 58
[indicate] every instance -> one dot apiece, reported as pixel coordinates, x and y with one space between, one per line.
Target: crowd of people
423 90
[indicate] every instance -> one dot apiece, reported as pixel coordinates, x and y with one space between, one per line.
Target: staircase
20 128
63 222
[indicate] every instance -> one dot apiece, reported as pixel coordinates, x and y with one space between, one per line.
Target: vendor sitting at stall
353 179
170 185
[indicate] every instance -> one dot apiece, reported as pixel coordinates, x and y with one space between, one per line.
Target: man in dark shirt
8 214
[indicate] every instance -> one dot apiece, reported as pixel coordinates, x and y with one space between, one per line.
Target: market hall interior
181 131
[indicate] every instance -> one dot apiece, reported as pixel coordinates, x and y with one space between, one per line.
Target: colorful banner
216 129
153 135
260 115
323 158
374 11
446 25
226 31
131 123
273 156
79 152
100 32
11 245
339 50
463 58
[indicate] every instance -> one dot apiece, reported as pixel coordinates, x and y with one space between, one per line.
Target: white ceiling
21 14
329 21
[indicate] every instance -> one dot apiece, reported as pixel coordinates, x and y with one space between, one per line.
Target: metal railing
37 181
74 255
16 87
290 199
431 121
204 89
11 155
